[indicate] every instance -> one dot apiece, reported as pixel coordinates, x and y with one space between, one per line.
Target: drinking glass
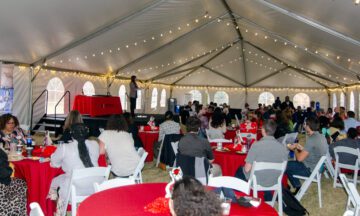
226 206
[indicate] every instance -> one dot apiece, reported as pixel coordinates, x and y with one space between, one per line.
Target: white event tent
211 50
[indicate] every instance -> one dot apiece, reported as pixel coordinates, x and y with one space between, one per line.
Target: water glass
226 206
29 151
219 146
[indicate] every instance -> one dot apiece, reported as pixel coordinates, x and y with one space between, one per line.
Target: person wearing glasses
10 130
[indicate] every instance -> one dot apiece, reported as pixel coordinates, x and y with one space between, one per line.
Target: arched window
163 98
342 99
88 89
266 98
352 102
334 102
154 97
138 99
56 90
122 95
196 95
302 100
221 97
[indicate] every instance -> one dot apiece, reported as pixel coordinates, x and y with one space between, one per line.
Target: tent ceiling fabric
154 39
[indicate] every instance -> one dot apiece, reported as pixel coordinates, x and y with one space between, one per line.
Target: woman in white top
217 125
78 153
119 146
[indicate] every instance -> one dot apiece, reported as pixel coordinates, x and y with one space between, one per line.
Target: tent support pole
117 71
303 48
307 76
241 38
31 72
99 31
222 75
309 22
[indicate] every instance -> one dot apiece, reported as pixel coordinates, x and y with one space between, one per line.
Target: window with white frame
56 90
266 98
88 89
122 95
342 99
334 101
352 102
154 98
302 100
138 99
196 95
221 97
163 98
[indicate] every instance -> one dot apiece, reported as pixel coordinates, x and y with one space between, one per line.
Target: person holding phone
308 156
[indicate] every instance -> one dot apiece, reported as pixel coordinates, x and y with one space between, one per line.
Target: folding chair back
137 176
315 176
277 187
338 165
230 182
166 154
113 183
85 177
35 209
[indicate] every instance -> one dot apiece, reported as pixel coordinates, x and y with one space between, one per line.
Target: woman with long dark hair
119 146
133 95
78 153
217 125
74 117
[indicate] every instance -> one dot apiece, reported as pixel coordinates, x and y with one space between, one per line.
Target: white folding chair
230 182
350 202
161 146
329 167
137 176
113 183
217 140
175 148
277 187
237 120
35 209
248 136
87 176
355 196
315 176
338 165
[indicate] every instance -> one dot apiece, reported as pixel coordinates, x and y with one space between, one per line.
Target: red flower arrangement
159 206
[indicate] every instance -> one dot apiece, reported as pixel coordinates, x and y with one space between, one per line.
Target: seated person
12 190
133 129
169 126
259 152
351 122
119 146
217 125
307 157
77 154
74 117
10 130
191 144
351 141
336 130
189 198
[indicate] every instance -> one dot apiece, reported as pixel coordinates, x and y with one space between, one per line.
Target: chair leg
73 201
274 198
355 176
280 201
335 176
319 189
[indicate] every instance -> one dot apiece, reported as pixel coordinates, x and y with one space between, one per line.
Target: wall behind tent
21 94
71 81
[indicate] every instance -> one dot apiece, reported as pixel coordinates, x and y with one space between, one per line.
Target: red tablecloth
231 161
38 177
97 106
230 134
131 200
148 138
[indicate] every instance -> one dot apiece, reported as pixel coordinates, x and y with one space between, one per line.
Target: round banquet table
148 138
38 177
131 200
229 161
